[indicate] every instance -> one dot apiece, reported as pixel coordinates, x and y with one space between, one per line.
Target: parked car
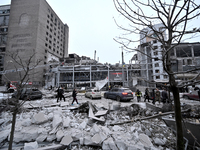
28 94
192 95
120 94
93 93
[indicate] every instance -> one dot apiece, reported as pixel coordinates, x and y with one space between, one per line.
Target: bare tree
24 69
175 17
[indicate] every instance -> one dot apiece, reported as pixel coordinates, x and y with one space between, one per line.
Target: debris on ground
45 124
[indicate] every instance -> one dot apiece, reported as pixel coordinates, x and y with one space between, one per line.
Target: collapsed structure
106 124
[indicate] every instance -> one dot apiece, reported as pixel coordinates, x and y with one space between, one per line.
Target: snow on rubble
46 124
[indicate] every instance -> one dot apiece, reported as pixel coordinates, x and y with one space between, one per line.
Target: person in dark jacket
164 96
60 92
153 96
157 95
147 94
74 93
199 93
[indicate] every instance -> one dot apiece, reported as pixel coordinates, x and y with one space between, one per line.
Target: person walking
62 94
153 95
74 93
199 93
164 96
138 94
147 94
58 94
157 95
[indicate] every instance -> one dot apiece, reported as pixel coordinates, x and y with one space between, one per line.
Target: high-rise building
34 29
4 20
150 55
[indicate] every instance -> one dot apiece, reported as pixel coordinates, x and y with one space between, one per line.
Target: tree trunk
12 129
178 118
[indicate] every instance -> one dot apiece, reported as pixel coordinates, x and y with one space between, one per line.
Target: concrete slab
39 118
66 140
101 113
31 145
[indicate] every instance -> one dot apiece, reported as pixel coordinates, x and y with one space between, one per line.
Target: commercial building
34 31
85 72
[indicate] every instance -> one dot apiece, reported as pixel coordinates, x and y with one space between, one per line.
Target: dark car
192 95
28 94
120 94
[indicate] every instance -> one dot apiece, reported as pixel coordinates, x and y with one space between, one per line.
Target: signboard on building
116 76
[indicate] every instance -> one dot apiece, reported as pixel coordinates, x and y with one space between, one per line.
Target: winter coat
138 93
164 95
147 94
157 95
74 93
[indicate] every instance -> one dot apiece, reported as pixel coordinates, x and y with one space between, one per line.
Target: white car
93 93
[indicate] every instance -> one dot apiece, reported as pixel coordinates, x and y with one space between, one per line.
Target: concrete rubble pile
45 124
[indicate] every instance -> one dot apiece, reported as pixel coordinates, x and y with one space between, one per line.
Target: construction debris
105 124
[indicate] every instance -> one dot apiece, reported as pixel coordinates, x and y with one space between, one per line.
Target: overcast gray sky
92 27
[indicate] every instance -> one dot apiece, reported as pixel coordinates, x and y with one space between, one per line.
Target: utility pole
122 67
95 55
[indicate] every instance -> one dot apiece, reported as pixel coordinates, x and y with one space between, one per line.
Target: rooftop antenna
95 55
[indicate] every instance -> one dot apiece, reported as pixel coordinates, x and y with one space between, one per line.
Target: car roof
120 88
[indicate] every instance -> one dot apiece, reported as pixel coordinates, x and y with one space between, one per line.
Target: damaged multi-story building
85 72
184 57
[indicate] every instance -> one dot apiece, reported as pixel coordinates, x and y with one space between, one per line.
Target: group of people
60 95
155 96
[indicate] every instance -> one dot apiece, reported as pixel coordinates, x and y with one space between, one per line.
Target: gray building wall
34 29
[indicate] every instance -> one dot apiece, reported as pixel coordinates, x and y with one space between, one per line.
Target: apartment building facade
184 57
150 56
34 29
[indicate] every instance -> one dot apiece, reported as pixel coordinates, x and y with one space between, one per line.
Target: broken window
183 62
189 61
165 76
172 52
184 51
157 65
196 50
155 47
155 53
2 49
157 77
4 20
